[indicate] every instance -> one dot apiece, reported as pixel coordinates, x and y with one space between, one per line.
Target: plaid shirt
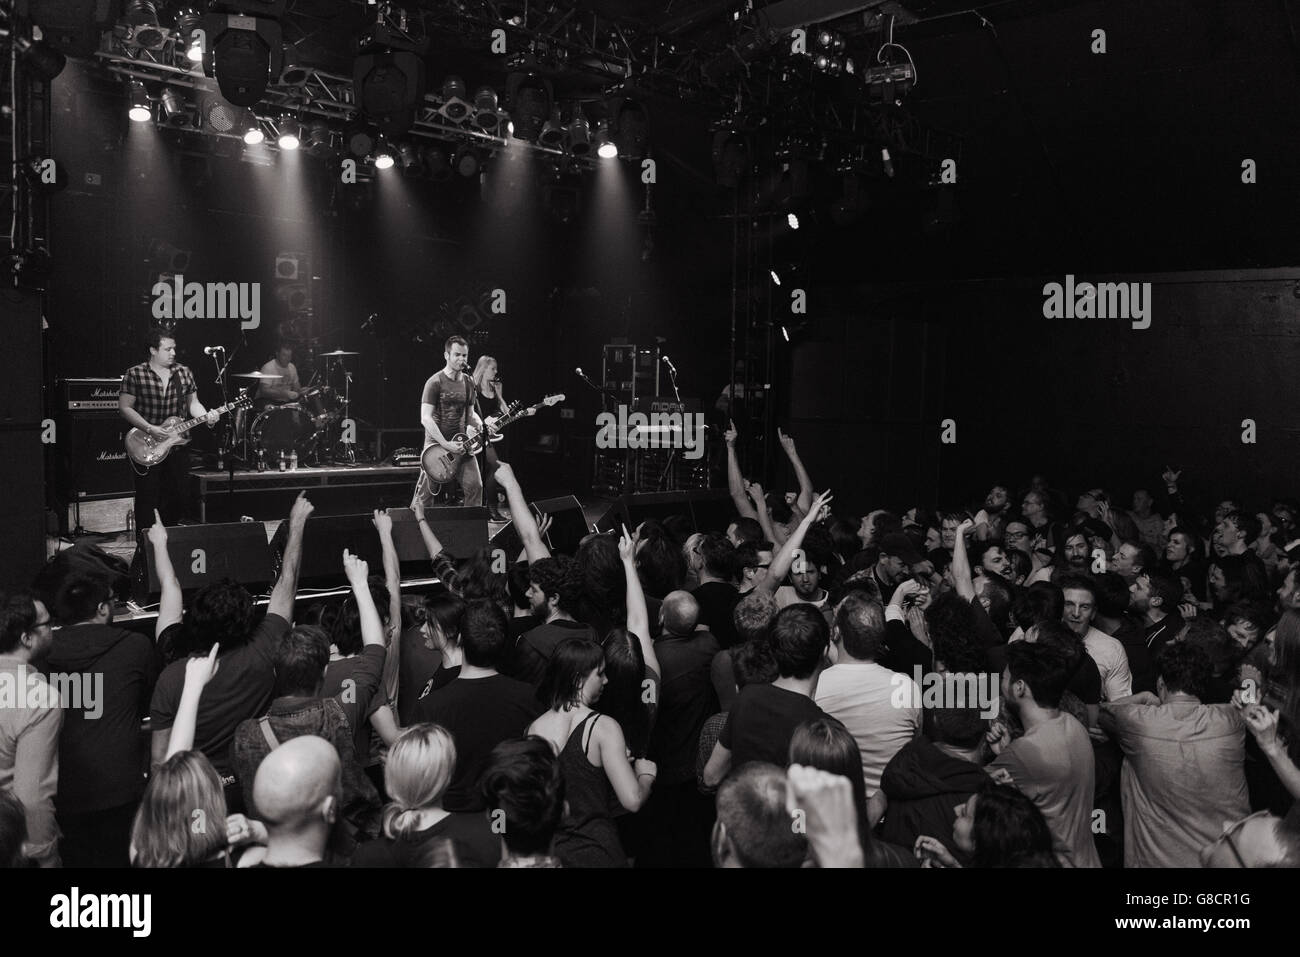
152 401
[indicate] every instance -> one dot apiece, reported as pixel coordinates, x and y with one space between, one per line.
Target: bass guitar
144 449
440 464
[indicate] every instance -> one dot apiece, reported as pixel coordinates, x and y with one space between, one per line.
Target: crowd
1028 682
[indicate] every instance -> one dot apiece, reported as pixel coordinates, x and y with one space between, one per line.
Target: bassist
151 392
491 404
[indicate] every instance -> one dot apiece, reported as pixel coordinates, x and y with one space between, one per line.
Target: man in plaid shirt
151 392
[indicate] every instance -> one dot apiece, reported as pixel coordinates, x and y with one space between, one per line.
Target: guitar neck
191 423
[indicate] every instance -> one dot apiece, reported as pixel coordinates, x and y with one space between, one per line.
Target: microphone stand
672 455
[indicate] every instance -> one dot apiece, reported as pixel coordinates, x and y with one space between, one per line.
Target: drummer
284 388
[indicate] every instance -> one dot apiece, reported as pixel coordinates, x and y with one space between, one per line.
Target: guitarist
151 392
446 408
491 404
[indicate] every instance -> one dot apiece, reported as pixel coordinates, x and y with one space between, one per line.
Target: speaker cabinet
202 554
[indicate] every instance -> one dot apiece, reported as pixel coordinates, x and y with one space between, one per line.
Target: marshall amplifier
92 457
91 395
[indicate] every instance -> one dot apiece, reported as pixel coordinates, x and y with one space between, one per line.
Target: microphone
580 372
669 362
209 350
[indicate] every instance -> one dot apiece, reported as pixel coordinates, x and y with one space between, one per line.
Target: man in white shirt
1107 652
862 694
287 388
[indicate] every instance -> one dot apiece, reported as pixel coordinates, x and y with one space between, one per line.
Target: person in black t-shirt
716 593
553 594
764 717
481 708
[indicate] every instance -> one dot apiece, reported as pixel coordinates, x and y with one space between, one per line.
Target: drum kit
309 428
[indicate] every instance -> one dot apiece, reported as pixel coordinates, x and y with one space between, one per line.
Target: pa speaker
202 554
568 523
323 541
460 531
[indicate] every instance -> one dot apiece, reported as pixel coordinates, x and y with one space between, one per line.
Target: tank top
587 836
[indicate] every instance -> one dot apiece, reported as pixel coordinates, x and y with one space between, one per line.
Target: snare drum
284 428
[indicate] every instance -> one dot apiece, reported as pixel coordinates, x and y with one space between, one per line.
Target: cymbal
256 375
339 352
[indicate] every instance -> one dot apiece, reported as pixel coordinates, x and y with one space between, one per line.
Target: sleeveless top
587 836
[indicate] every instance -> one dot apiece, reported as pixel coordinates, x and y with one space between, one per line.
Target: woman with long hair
998 827
593 757
420 766
181 821
491 403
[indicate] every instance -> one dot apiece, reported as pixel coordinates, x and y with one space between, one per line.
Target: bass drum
284 428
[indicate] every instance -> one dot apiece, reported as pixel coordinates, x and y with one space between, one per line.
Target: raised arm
198 672
784 558
804 501
638 619
1262 723
431 543
170 607
286 586
736 484
525 524
961 575
358 573
393 582
764 516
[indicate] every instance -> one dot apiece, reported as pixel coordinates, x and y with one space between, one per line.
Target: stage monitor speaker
461 531
323 540
507 539
708 510
568 523
92 459
202 554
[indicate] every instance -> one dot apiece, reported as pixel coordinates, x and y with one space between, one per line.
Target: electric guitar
440 464
144 449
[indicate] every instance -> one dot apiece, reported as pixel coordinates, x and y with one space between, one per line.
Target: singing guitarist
446 408
151 392
491 404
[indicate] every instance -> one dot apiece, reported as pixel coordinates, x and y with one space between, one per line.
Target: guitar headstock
550 400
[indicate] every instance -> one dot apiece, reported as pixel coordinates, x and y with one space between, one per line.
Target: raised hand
199 671
383 522
829 812
966 527
731 433
417 509
355 568
627 546
506 476
787 442
544 525
1170 476
1262 723
301 509
820 502
158 531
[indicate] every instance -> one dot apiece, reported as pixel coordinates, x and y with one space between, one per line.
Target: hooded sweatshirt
924 786
102 754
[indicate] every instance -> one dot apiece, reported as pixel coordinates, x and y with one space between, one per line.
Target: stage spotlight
530 105
454 106
793 220
318 139
775 277
632 129
785 332
825 38
290 134
141 16
605 147
139 111
389 87
253 131
579 136
243 54
466 162
437 164
41 58
218 115
486 115
293 72
553 132
174 108
384 158
360 137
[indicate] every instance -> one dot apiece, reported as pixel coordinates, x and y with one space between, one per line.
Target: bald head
295 781
680 613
